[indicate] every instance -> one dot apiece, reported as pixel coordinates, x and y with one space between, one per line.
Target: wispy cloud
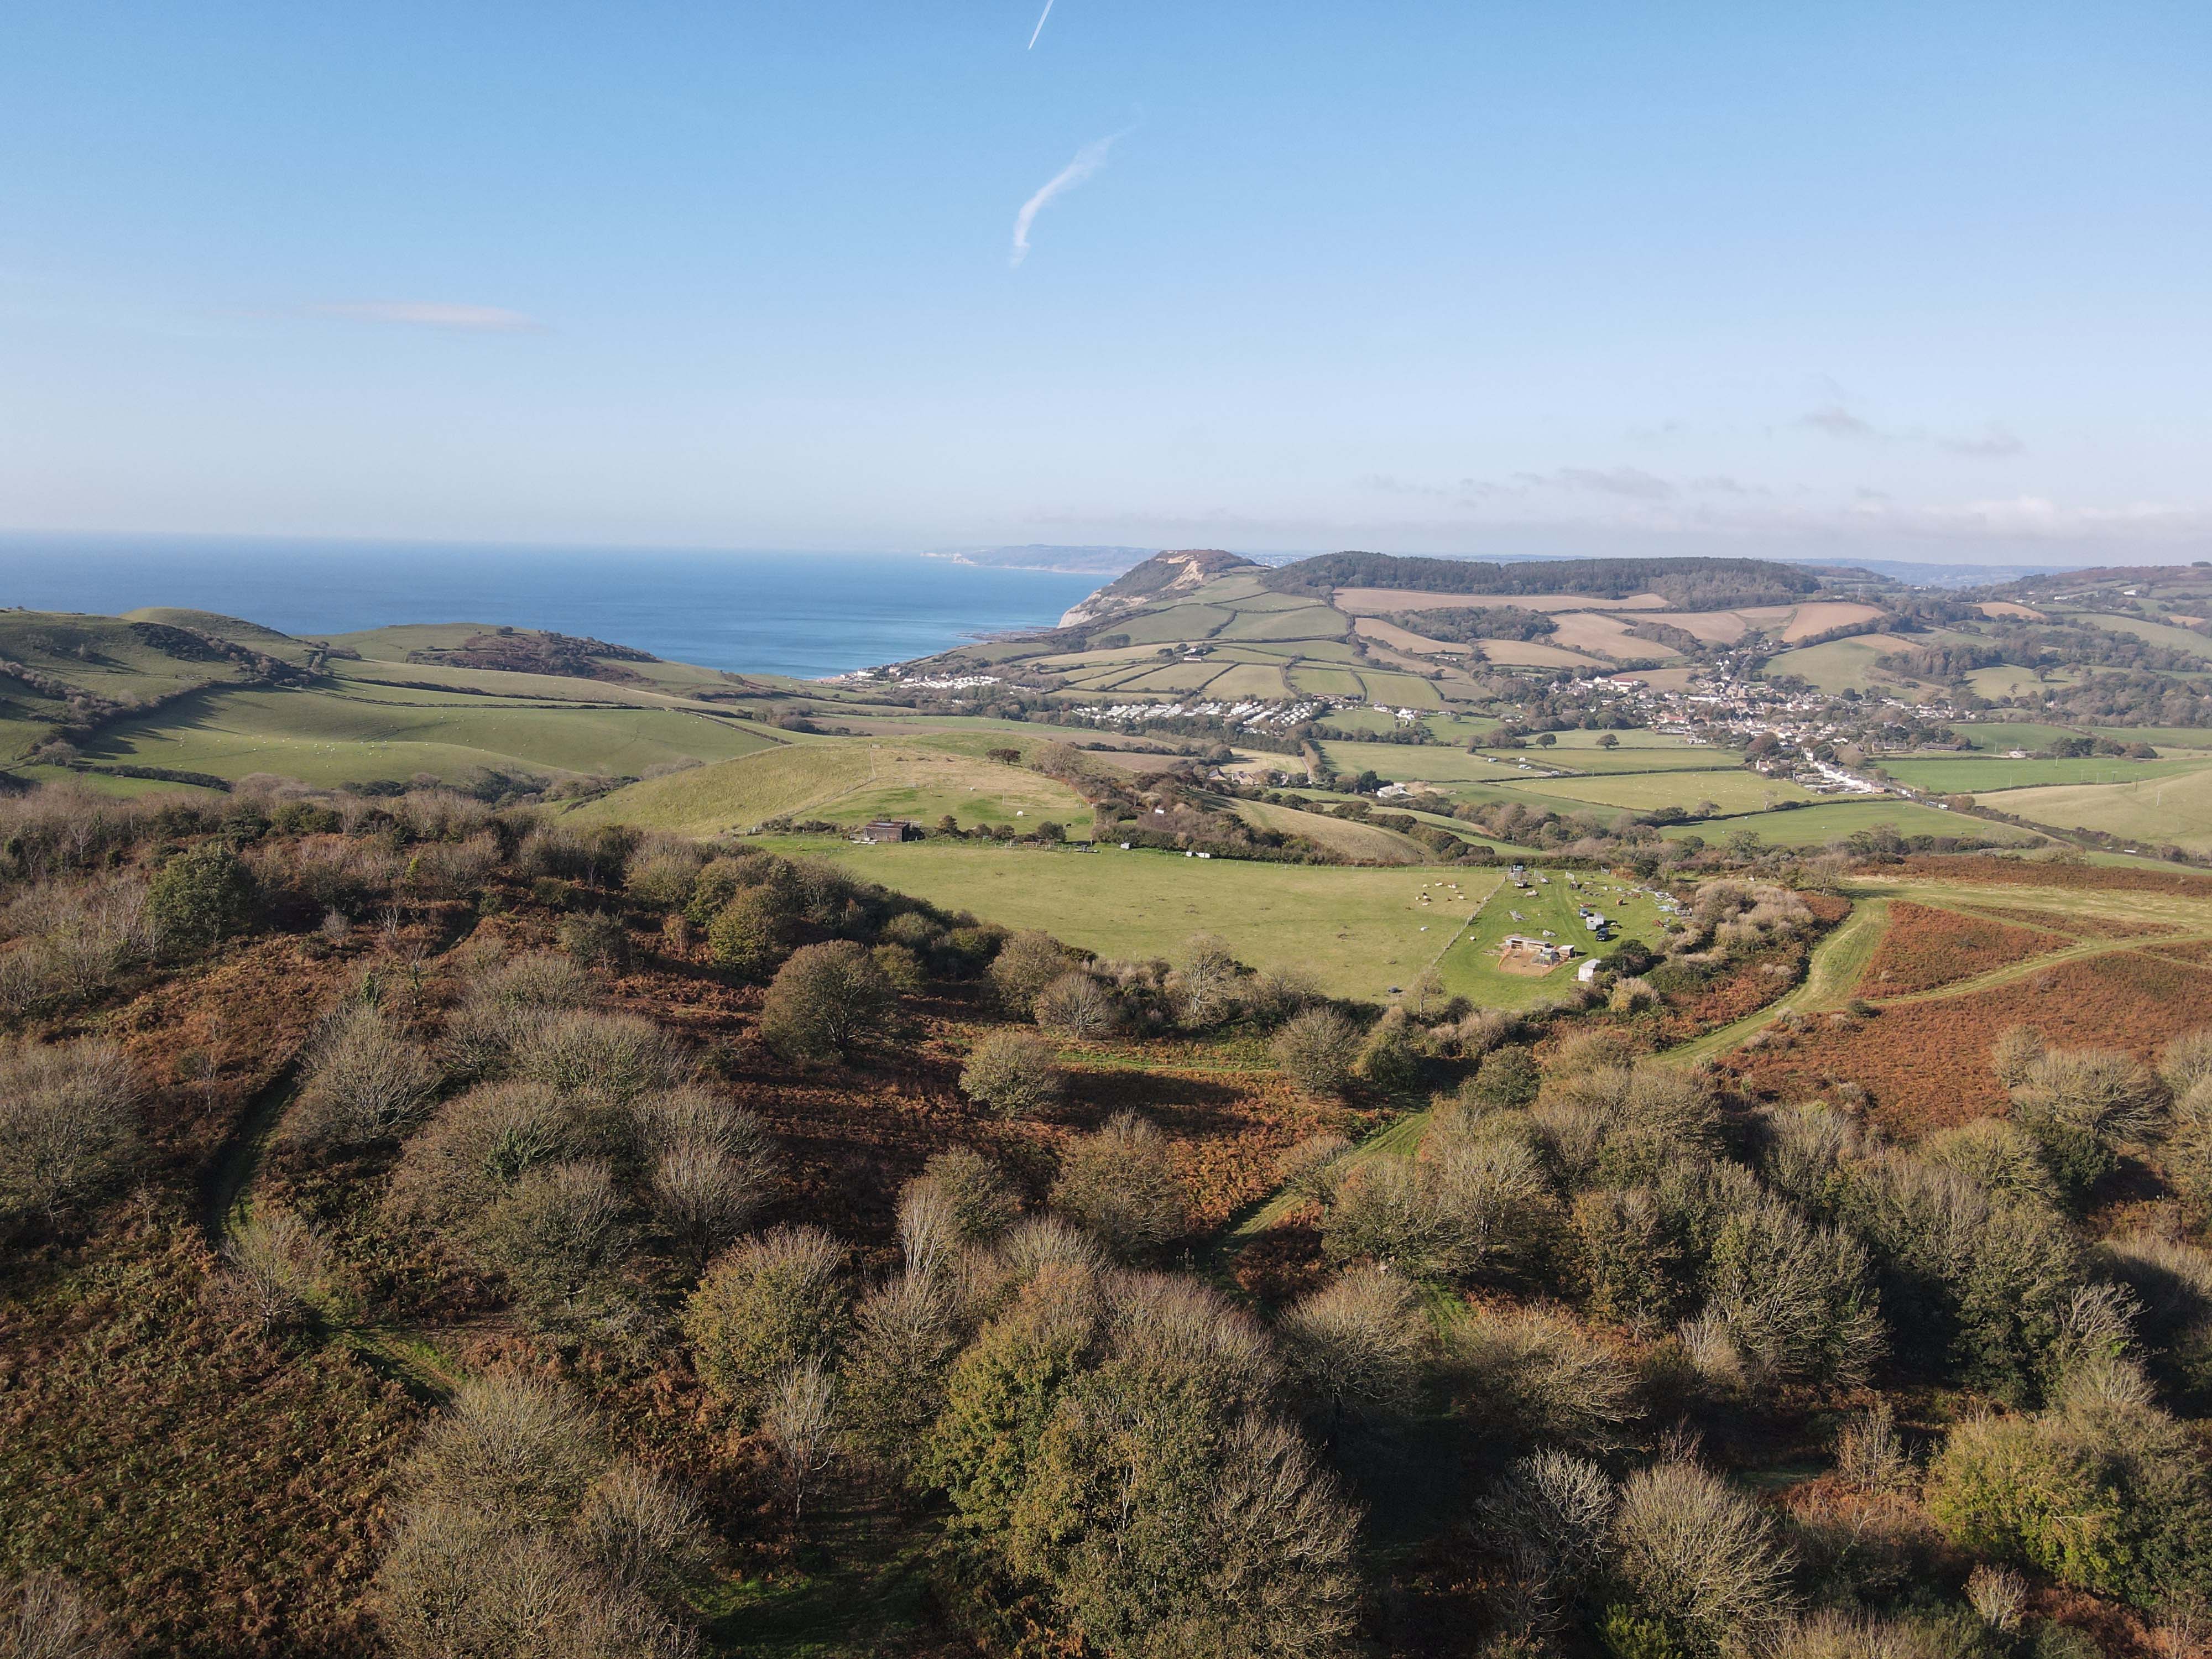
1630 481
1039 29
1087 161
1838 423
1992 443
428 313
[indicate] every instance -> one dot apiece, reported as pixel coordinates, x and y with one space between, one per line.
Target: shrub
1311 1170
1356 1347
2083 1105
200 897
520 1534
1631 1261
1014 1074
983 1204
1544 1377
562 1238
478 1144
366 1082
1388 1060
824 999
2186 1061
902 968
68 1127
1025 965
1995 1155
713 1169
771 1303
1317 1050
799 1421
44 1616
1506 1080
1078 1005
1794 1296
1206 981
752 934
502 1007
279 1270
2014 1053
905 1338
1701 1558
662 877
1120 1185
595 939
616 1059
1275 994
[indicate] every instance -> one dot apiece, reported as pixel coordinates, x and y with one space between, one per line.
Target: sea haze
804 614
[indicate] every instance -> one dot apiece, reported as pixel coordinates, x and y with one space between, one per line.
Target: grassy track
1837 961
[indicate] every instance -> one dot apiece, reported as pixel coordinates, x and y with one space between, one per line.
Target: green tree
200 897
824 999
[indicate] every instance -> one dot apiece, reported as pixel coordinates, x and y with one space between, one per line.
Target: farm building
883 830
1539 952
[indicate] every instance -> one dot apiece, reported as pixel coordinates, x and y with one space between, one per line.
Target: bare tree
800 1421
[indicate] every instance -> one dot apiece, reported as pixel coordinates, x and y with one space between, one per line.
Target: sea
808 615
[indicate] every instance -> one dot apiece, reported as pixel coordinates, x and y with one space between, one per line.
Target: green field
1470 967
2151 633
1839 665
1733 791
1357 931
1999 737
2159 812
329 736
847 780
1814 826
1974 776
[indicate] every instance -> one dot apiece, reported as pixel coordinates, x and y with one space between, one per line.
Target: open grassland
1353 840
1834 820
2151 633
1840 665
328 737
1530 653
1733 791
847 781
1549 905
1976 776
1327 683
2176 810
2006 681
2001 737
1402 690
1357 931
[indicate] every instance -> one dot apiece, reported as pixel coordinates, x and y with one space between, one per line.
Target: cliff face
1162 576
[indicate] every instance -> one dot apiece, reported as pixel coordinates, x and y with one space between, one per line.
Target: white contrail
1039 29
1088 160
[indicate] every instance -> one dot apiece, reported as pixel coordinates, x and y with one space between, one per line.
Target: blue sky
1916 281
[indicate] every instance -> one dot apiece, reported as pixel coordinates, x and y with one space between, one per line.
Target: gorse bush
769 1303
824 999
2083 1106
69 1127
200 897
